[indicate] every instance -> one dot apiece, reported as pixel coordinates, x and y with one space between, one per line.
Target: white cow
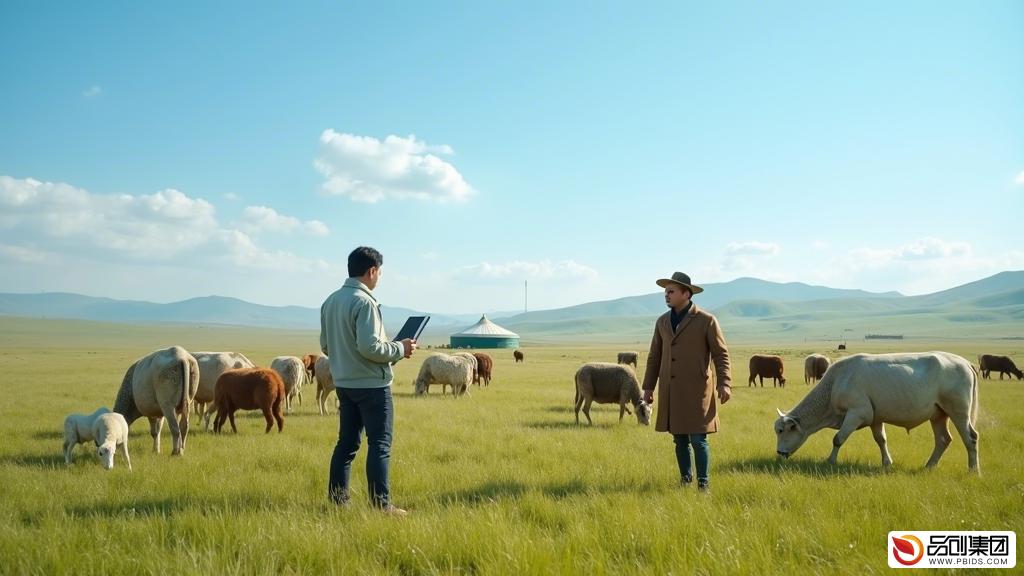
869 390
324 382
160 385
211 366
293 374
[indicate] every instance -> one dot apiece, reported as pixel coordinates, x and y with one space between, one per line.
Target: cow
484 368
762 367
160 385
870 390
1002 364
627 358
814 367
518 355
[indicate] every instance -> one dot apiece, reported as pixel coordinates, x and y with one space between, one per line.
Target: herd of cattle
863 390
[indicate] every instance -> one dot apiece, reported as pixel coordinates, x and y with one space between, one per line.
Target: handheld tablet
413 328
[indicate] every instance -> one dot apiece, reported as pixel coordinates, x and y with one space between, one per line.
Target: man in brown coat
686 339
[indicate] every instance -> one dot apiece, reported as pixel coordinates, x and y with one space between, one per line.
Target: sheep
109 431
472 360
607 383
484 368
211 366
293 373
78 430
455 371
324 381
249 389
627 358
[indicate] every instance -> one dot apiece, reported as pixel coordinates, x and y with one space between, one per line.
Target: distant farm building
485 334
883 336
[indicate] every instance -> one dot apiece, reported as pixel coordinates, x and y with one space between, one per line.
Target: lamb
293 373
455 371
484 368
627 358
249 389
107 429
211 366
607 383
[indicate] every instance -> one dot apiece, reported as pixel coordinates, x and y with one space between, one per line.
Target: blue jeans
370 409
701 453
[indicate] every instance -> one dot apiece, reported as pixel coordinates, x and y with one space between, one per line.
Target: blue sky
164 151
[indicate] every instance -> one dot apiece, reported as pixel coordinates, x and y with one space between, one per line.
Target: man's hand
648 396
410 346
724 393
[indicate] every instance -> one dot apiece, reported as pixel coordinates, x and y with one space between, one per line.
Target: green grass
499 482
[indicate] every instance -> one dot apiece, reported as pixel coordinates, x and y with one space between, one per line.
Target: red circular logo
907 546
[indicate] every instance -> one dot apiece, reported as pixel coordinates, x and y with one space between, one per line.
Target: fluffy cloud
40 219
256 219
520 270
366 169
918 250
752 248
92 91
1019 180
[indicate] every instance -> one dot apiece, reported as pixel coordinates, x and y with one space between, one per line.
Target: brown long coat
680 360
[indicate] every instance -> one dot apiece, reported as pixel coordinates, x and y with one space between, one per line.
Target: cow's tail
974 397
576 397
186 372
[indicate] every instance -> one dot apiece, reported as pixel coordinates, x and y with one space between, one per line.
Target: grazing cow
293 374
249 389
627 358
1002 364
842 346
484 368
160 385
607 383
518 355
211 366
309 362
814 367
324 382
762 367
870 390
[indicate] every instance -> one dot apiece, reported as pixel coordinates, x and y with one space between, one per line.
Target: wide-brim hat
683 280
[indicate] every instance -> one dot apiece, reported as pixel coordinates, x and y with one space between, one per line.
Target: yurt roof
486 329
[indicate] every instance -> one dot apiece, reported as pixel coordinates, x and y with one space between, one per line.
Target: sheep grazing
211 366
471 359
607 383
455 371
484 368
324 382
627 358
78 430
292 373
518 355
249 389
109 431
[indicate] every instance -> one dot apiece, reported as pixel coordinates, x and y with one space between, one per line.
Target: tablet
413 328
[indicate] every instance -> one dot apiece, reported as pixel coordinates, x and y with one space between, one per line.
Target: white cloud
520 270
918 250
365 169
166 227
752 248
1019 180
256 219
92 91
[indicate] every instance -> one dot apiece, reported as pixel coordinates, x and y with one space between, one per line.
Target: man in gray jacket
352 336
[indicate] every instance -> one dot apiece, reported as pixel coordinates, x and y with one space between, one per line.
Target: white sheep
107 429
455 371
293 374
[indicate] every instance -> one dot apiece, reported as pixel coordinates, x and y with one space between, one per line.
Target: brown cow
518 355
766 367
1002 364
814 367
484 366
309 361
249 389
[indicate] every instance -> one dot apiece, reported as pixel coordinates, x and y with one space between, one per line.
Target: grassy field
498 482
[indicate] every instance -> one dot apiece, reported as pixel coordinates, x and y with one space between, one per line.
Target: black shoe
703 485
686 480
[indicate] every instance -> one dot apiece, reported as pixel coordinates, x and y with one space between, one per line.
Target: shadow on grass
230 504
569 425
491 492
48 435
486 493
805 467
47 460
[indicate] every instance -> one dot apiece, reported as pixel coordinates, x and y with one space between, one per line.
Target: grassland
499 482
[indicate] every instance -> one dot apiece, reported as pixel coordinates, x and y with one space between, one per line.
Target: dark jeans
372 409
701 453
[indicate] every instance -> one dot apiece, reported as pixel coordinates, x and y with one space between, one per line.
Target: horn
781 413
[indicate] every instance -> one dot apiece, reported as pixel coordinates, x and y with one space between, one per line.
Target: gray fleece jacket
352 336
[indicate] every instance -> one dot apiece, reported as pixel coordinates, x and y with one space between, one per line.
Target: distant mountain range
745 306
